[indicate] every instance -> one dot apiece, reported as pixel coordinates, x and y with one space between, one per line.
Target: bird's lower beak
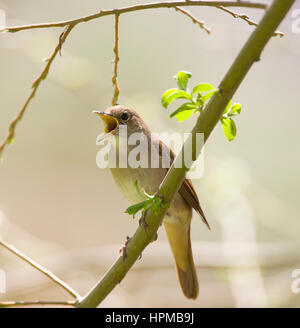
110 123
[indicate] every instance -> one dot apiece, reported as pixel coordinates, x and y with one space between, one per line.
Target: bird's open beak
110 123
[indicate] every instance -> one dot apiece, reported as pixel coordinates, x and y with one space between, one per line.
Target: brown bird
178 216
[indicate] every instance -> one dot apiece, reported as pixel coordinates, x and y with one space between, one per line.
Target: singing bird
178 217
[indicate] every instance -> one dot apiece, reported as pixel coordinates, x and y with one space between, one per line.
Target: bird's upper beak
110 122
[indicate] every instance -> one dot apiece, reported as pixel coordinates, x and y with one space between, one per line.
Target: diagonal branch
206 122
154 5
37 266
12 126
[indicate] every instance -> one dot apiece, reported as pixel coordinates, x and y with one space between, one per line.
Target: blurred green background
57 206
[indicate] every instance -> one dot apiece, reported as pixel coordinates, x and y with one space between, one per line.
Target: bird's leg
124 247
142 222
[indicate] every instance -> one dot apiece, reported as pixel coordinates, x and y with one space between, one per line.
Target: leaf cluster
196 98
152 202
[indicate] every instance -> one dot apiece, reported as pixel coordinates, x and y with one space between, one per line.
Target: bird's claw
143 223
124 248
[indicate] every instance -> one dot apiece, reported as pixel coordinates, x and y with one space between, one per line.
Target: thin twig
116 61
12 126
194 19
24 303
71 23
154 5
37 266
246 18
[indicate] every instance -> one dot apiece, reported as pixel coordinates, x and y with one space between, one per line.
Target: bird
177 219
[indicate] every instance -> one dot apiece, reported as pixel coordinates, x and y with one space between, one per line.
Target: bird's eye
125 116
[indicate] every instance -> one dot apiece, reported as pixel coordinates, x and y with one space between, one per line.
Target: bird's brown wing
186 190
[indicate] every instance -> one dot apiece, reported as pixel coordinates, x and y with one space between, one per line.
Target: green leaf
44 75
182 78
132 210
235 110
182 116
199 101
137 188
169 96
229 128
202 87
183 107
149 196
166 95
11 140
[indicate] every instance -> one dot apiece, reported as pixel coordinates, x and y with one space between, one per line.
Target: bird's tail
180 242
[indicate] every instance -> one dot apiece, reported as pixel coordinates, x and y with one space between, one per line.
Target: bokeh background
57 206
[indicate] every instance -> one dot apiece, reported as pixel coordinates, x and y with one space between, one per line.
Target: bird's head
117 117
